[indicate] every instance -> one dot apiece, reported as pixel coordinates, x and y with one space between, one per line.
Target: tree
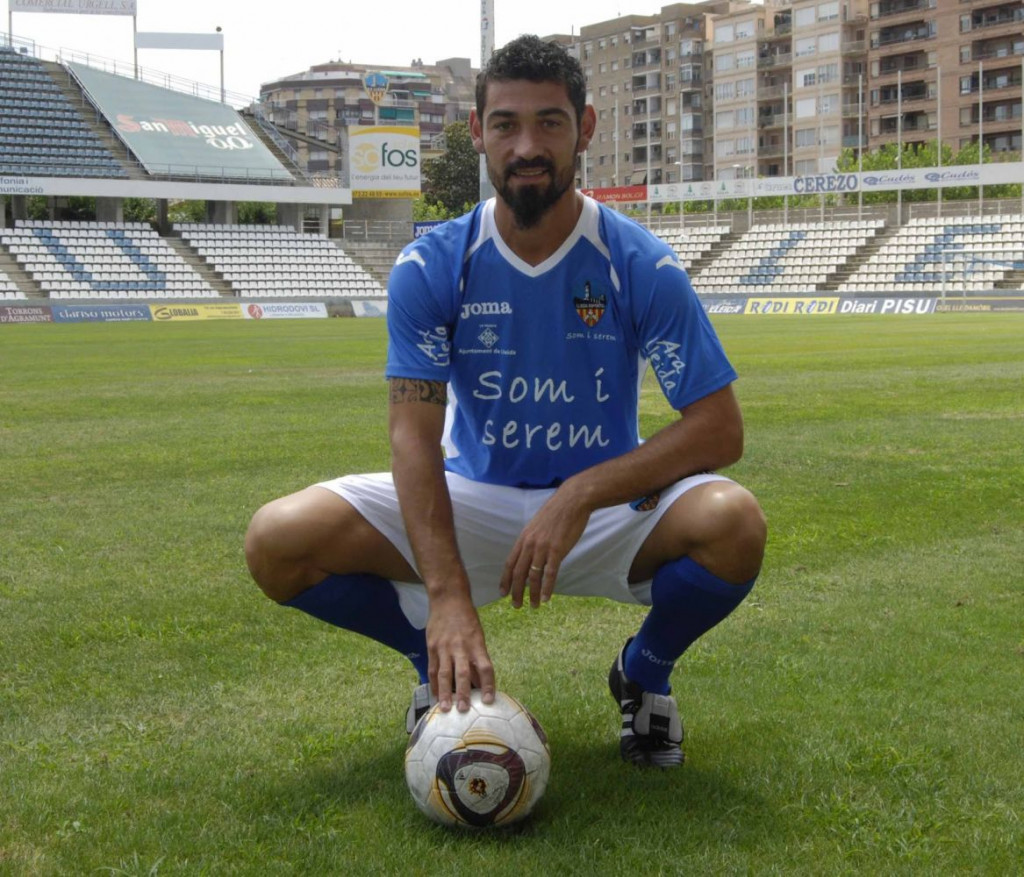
888 158
451 182
257 213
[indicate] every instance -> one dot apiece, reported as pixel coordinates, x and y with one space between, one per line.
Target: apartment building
946 67
727 88
316 108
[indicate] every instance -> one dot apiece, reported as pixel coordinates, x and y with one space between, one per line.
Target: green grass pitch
861 713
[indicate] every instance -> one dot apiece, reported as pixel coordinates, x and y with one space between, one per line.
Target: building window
803 17
725 90
805 46
829 42
828 11
806 137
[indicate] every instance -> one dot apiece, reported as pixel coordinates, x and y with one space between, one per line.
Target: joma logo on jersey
485 309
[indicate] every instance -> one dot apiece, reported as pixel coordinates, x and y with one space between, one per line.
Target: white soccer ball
487 766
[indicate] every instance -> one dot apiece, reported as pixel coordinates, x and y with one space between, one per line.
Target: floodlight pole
486 50
222 98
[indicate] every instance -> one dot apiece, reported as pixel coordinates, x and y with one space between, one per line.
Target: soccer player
518 338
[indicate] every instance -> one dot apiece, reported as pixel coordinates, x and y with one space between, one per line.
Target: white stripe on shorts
489 519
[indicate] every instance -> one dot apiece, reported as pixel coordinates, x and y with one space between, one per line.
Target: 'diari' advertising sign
384 162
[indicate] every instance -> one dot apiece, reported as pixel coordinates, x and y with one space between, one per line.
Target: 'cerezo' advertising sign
384 162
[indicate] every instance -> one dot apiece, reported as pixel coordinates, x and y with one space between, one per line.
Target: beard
529 203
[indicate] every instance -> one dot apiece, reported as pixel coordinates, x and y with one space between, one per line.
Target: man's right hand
457 653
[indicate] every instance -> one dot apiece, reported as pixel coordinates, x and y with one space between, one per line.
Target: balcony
690 74
991 82
889 8
777 59
889 96
894 64
912 124
894 35
997 17
985 51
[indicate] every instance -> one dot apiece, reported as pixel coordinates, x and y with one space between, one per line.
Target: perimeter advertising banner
75 7
995 173
384 162
191 313
178 134
273 310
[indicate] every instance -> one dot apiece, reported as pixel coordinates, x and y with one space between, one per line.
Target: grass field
862 712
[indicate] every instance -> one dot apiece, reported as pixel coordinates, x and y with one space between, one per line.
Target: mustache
531 164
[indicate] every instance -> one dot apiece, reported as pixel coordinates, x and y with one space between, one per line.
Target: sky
264 41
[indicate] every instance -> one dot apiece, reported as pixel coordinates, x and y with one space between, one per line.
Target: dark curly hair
530 58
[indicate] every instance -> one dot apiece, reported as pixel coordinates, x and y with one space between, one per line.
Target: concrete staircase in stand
376 258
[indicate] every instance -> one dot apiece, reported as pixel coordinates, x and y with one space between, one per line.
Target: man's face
530 138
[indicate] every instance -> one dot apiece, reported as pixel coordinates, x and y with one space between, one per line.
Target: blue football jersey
544 362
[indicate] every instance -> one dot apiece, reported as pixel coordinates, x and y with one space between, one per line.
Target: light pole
222 100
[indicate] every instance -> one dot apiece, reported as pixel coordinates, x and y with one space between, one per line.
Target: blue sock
686 602
368 605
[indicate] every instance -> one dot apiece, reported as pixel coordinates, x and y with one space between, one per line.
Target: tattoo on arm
416 390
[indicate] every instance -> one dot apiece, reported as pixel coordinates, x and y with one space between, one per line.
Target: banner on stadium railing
191 313
810 305
997 173
384 162
76 7
25 314
101 313
274 310
619 194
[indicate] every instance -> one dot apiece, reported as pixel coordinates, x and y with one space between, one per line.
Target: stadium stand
955 253
277 261
694 244
102 260
41 132
789 258
8 290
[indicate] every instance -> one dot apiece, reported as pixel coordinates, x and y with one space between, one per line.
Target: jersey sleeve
419 316
675 335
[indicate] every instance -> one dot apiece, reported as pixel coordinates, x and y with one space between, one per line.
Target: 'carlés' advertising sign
177 134
384 162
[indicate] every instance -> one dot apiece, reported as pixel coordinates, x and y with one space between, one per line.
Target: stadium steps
287 161
377 259
1014 280
21 279
92 117
718 248
203 268
863 255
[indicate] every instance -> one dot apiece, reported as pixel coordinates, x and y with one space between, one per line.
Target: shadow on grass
593 801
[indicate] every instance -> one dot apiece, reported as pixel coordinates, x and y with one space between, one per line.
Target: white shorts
489 519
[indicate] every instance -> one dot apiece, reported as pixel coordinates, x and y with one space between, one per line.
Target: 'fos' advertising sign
384 162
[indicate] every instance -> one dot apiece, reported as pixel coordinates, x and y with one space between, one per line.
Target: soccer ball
487 766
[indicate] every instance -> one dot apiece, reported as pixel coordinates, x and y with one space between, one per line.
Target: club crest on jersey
590 308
